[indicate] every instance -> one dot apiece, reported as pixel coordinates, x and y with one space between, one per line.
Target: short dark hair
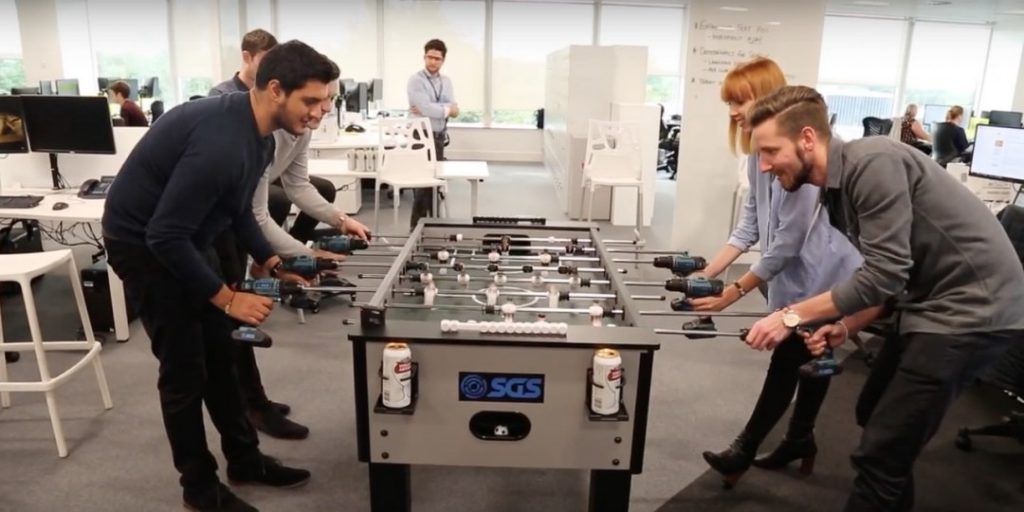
121 87
258 40
293 64
793 107
436 44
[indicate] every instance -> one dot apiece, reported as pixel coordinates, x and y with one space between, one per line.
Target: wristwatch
790 318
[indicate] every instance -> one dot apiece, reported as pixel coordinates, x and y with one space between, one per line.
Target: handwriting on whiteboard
723 45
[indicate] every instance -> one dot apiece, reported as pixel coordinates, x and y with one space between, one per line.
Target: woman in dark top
949 139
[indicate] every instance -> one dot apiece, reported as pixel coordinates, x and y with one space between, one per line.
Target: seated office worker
191 177
119 92
796 241
431 95
949 140
931 249
255 45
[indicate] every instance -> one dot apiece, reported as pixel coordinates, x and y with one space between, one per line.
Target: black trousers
422 199
191 339
304 225
913 381
781 381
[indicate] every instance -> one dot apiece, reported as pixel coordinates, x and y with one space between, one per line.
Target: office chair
875 126
117 121
156 110
1008 373
832 120
670 144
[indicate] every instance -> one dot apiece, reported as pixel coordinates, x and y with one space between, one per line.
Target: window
344 30
859 70
946 63
660 29
130 41
1001 74
259 14
460 24
524 33
12 73
195 32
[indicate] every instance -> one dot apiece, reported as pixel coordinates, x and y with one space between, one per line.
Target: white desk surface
78 210
346 140
337 167
466 169
449 169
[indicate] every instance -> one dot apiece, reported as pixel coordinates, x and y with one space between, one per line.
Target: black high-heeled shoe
731 463
788 451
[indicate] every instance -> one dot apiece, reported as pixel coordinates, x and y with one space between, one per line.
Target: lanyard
437 90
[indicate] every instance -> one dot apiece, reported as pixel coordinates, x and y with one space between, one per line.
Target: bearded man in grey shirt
932 252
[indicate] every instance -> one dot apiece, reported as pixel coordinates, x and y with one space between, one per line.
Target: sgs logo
501 387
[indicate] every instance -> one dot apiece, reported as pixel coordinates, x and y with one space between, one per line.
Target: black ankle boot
789 450
734 461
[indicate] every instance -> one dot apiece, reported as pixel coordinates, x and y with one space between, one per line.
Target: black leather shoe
732 462
789 450
12 357
267 471
219 499
271 422
282 409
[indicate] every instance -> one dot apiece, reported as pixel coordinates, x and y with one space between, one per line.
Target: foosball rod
480 257
497 309
444 292
597 282
741 334
535 248
459 237
721 314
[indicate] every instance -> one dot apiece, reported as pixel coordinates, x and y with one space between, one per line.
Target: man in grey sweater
934 256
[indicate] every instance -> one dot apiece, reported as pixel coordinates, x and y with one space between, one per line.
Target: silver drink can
396 376
606 383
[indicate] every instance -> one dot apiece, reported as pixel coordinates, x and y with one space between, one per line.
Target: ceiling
1009 12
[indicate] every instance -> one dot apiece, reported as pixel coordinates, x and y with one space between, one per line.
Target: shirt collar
835 163
239 83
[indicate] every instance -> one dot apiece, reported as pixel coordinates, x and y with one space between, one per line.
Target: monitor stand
58 180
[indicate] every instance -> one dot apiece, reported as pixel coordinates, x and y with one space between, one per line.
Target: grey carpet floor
703 392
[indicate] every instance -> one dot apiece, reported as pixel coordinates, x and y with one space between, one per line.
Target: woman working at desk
911 131
950 140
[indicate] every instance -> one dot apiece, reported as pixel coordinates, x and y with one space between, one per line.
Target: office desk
78 210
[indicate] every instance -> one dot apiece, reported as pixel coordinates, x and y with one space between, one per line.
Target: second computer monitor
46 87
12 126
1004 118
67 87
356 99
376 90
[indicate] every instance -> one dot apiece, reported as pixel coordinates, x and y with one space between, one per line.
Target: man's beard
282 122
803 176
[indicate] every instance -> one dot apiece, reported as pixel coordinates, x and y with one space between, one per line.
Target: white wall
496 144
32 170
1018 95
40 42
790 33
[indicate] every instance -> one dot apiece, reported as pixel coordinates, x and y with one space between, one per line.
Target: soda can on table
396 376
606 383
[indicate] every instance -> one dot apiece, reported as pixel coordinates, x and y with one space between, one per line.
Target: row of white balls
558 328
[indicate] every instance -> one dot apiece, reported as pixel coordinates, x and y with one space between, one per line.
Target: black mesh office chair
1008 373
668 141
156 110
875 126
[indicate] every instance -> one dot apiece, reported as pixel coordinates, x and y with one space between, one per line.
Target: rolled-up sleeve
880 197
795 214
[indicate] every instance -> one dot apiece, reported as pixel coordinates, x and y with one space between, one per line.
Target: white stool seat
405 159
22 268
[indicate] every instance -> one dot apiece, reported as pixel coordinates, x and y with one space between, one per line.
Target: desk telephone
95 189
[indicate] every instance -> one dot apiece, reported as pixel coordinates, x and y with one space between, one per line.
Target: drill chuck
682 264
696 288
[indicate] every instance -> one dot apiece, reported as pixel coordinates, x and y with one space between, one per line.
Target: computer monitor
12 126
972 126
150 88
934 114
22 91
104 84
376 90
357 99
67 87
46 87
68 124
1004 118
998 153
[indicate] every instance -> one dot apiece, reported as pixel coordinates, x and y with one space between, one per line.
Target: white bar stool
22 268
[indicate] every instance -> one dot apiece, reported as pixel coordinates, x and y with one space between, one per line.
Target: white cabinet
582 83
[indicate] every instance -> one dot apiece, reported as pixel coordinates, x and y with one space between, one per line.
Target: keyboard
20 201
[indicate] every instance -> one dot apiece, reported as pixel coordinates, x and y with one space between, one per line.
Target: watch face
790 319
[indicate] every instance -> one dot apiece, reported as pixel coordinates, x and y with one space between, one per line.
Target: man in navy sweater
191 177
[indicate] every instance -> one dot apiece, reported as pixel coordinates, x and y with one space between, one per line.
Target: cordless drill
824 365
693 289
273 288
681 264
307 266
341 244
